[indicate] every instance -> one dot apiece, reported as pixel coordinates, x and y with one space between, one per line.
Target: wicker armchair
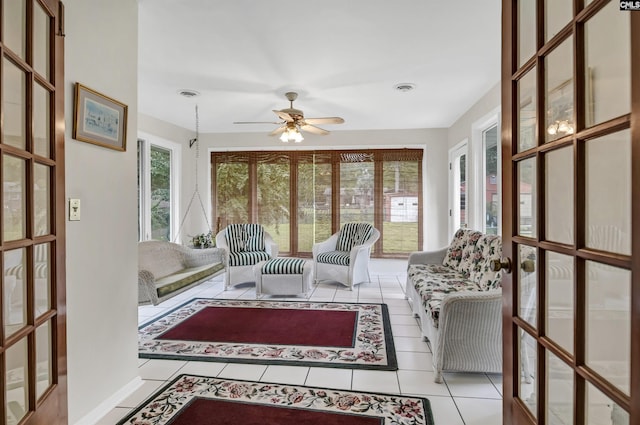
344 257
244 245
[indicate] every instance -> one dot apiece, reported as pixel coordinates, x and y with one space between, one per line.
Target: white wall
433 141
468 127
101 53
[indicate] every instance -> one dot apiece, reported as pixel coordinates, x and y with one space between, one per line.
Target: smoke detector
404 87
188 93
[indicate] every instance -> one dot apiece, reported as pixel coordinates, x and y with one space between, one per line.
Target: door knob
503 264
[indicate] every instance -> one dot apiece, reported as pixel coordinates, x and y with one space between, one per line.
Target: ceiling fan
293 121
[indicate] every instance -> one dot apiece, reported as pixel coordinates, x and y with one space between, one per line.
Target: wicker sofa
458 300
166 269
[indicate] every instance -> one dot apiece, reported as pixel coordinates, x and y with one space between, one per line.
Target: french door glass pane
43 358
400 219
13 104
559 195
559 92
14 29
527 111
314 204
42 276
160 193
41 49
41 199
356 192
41 121
608 193
232 192
558 13
527 284
273 196
13 178
15 290
601 410
527 367
17 382
609 322
526 198
526 30
560 395
560 299
492 202
607 67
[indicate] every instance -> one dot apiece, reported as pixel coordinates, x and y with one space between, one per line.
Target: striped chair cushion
283 266
255 237
245 237
339 258
247 258
353 234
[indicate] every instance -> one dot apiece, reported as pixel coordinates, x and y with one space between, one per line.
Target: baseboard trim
110 403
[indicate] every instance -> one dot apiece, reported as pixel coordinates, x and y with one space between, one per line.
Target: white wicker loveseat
458 299
165 269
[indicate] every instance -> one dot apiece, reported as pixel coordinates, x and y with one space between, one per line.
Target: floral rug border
373 342
162 406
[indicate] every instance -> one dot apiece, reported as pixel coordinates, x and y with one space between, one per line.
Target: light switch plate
74 209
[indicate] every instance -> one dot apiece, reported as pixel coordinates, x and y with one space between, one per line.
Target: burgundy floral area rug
273 332
193 400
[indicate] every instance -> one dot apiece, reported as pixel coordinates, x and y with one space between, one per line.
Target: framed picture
99 119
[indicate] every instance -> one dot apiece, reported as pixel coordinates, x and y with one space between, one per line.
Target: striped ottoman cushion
283 266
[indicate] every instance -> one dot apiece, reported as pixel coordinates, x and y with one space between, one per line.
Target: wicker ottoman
283 276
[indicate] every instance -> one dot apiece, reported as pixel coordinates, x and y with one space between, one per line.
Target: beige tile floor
464 398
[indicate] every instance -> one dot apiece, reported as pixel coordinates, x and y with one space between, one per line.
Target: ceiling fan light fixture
291 134
404 87
188 93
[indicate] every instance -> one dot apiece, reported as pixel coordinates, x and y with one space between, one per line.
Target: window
458 187
491 198
157 195
303 197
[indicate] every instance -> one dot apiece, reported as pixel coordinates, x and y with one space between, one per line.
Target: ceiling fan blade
324 120
313 129
256 122
278 130
283 116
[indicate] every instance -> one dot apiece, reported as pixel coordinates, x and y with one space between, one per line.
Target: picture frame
99 119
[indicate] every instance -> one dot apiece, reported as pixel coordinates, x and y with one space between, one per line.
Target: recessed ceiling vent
188 93
404 87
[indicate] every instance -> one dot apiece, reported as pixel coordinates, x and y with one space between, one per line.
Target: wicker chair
245 245
344 257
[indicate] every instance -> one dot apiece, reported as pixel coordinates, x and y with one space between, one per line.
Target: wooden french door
571 212
33 384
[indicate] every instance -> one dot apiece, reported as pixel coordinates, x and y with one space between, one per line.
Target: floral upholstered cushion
454 252
488 247
434 282
470 255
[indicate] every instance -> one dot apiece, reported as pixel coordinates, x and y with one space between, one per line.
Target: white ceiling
343 57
